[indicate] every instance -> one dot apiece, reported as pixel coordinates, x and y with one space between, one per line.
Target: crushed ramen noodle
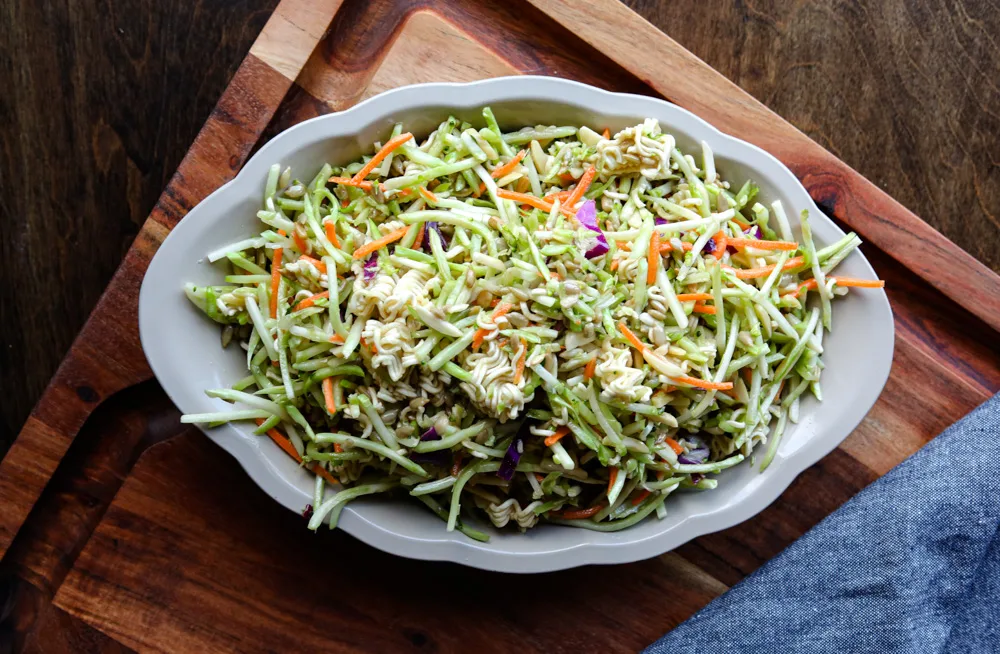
546 325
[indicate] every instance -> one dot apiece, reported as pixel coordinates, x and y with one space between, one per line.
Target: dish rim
464 550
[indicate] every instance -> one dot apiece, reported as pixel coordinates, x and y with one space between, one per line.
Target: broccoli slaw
547 325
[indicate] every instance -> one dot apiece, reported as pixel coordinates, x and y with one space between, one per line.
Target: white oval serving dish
184 350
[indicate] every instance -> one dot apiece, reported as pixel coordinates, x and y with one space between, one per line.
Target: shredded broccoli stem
474 326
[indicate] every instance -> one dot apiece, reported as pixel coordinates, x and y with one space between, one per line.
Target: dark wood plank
193 554
30 624
102 101
906 97
683 78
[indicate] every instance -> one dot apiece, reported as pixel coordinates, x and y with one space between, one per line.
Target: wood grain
189 555
107 355
686 80
170 566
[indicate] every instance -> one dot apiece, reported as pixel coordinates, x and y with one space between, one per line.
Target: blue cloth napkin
910 564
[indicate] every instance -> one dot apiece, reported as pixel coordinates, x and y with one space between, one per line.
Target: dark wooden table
110 96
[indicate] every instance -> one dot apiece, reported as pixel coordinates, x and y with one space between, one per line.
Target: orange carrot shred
581 188
417 242
507 168
331 233
275 281
632 338
614 265
336 338
612 478
694 297
346 181
380 243
556 437
519 370
525 198
703 308
757 244
720 244
300 242
285 444
338 448
588 370
479 191
653 258
606 133
501 310
764 271
742 223
640 497
386 150
701 383
311 300
320 266
675 446
430 197
580 514
331 406
859 283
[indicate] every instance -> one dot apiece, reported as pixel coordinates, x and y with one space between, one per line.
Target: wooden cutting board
126 529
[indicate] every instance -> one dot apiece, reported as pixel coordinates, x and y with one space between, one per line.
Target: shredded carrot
566 178
456 465
386 150
614 265
811 284
338 448
744 225
694 297
345 202
320 266
495 301
588 370
612 478
720 244
703 308
501 310
640 497
764 271
624 245
365 186
275 281
789 246
581 188
331 406
580 514
632 338
519 370
556 437
336 338
747 374
507 168
525 198
558 195
417 242
331 233
665 246
606 133
653 258
479 191
701 383
300 242
281 441
675 446
539 477
859 283
311 300
379 243
430 197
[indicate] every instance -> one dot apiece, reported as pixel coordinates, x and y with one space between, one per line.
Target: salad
553 324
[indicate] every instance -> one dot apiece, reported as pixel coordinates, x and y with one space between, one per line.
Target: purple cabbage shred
371 267
587 215
509 463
